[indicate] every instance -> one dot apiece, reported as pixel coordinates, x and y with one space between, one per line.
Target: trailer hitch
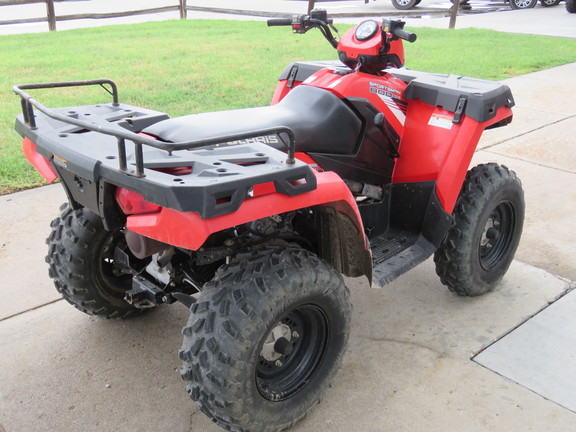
145 295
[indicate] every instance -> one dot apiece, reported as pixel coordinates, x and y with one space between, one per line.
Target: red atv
249 217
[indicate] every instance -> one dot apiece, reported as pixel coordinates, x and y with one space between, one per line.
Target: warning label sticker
441 120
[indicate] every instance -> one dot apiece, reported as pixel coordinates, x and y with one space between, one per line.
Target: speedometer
366 30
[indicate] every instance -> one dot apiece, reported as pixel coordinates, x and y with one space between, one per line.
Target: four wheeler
250 217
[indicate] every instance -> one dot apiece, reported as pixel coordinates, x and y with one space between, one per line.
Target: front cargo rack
76 154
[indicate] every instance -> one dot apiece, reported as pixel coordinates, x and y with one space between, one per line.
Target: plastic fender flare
39 162
188 230
452 174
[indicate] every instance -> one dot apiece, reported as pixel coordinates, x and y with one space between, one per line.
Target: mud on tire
81 260
265 338
489 216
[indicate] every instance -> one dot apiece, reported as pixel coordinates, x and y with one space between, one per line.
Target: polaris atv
250 217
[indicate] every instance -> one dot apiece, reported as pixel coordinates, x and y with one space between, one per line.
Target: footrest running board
395 255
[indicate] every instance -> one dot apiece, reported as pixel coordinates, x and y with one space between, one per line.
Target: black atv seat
321 122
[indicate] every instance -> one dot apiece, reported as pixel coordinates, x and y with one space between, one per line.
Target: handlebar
318 18
396 29
406 35
315 19
272 22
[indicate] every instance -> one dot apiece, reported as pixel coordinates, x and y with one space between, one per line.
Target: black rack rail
222 170
122 134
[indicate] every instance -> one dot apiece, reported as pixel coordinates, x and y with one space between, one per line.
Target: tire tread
452 259
214 355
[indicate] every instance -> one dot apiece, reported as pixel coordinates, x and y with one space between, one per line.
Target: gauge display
366 30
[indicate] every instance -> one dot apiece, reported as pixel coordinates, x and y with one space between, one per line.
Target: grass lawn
182 67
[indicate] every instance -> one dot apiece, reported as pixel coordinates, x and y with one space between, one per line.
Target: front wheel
488 220
404 4
523 4
265 339
571 6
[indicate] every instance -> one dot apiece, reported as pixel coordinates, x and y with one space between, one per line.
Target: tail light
133 203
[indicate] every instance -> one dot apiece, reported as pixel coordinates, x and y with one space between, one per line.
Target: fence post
311 5
51 15
454 14
183 11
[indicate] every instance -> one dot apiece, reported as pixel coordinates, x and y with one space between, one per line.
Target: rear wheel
523 4
549 3
265 339
82 265
404 4
571 6
488 216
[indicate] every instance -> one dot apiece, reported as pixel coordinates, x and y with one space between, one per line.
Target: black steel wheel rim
497 236
280 378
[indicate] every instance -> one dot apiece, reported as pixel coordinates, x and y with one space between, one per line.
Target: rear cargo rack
122 134
211 176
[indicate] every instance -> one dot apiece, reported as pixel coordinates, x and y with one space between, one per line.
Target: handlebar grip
405 34
279 22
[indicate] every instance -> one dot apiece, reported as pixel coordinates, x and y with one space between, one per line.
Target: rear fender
39 162
188 230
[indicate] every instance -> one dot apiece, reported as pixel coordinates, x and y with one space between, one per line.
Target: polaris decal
390 97
268 139
384 90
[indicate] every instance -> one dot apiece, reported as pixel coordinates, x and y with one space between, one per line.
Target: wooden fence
182 7
51 17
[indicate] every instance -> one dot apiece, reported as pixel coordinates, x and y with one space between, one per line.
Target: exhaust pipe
143 247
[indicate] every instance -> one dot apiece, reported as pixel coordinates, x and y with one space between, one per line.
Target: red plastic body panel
282 90
304 157
39 162
188 230
385 92
434 148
